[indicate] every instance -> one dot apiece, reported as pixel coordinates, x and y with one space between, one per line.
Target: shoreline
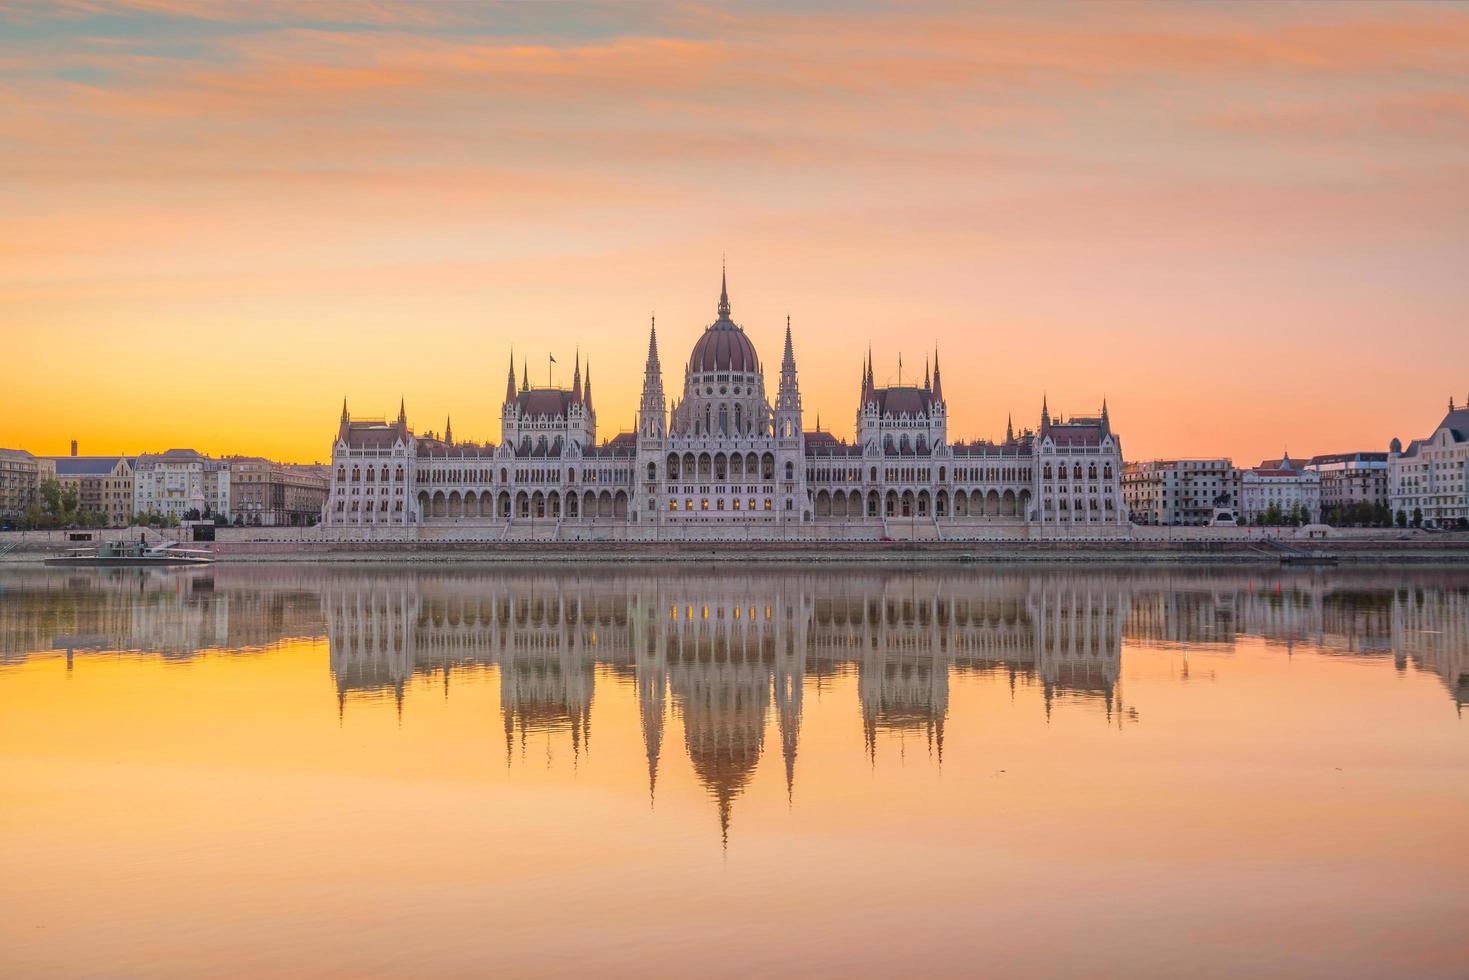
1316 553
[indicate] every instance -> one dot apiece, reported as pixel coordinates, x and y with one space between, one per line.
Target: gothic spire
576 378
587 392
525 376
723 294
938 383
789 362
1045 413
653 364
1009 427
448 431
926 382
510 382
344 409
402 411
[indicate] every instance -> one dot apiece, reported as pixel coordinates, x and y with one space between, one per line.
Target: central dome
724 346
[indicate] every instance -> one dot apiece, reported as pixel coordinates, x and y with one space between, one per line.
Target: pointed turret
651 414
525 376
510 382
723 294
927 384
587 393
1106 421
448 431
788 397
1009 427
344 409
938 382
1045 413
402 411
576 378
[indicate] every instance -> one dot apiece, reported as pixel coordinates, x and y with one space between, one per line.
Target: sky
1246 227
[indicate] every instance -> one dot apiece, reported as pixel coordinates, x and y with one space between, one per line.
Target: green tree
1417 517
1402 518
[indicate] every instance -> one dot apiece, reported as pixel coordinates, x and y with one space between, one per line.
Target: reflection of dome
724 346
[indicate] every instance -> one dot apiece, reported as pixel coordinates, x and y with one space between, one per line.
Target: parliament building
722 460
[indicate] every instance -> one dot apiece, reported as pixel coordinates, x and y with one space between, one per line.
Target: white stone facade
724 462
1282 484
1431 477
178 481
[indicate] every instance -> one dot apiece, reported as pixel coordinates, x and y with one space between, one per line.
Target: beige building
1180 491
21 476
1431 476
178 481
1349 480
268 494
104 485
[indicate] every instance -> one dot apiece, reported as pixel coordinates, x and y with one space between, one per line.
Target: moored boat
128 555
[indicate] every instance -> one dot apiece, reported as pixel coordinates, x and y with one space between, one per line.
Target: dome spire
723 292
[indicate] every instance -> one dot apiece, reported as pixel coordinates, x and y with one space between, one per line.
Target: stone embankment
1144 545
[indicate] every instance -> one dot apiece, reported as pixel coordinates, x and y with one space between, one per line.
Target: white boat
126 555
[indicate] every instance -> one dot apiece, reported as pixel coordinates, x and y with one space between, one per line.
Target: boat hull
125 561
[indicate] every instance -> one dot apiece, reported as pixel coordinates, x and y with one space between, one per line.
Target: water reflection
732 656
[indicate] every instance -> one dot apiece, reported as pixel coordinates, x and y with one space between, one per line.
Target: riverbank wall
1144 545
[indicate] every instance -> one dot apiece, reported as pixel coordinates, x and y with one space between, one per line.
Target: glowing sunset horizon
1243 226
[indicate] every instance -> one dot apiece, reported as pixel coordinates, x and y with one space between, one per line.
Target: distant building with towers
722 460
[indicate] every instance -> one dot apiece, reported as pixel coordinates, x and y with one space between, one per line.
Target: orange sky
1246 226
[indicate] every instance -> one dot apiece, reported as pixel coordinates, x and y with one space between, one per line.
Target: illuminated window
767 503
704 503
673 505
752 503
688 504
737 503
720 504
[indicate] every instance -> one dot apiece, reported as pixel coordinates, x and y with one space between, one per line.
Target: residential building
1430 479
1283 484
21 476
178 481
725 460
1180 491
1353 485
269 494
104 485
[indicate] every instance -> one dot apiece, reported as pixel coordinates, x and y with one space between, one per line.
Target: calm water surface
733 771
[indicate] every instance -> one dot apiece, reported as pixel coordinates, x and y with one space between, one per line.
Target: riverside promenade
1142 545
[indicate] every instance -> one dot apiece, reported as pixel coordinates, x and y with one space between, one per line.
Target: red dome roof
724 347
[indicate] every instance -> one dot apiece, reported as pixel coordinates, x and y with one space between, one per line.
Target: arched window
652 471
790 470
739 420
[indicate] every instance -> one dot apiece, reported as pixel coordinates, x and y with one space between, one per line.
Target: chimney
73 447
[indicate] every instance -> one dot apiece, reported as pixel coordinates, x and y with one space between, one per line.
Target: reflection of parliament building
728 656
731 657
